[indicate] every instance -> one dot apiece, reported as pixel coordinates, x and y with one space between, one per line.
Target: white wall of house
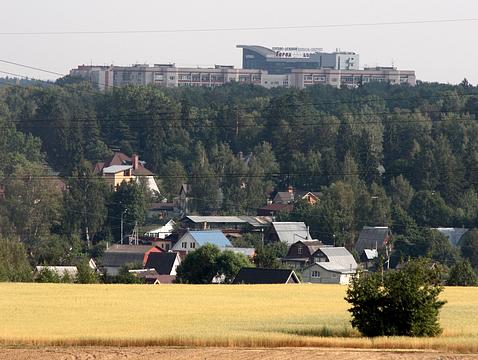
175 265
186 243
318 275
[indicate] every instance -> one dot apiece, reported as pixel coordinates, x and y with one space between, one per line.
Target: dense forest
405 157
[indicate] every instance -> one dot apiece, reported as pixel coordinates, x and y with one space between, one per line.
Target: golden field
209 315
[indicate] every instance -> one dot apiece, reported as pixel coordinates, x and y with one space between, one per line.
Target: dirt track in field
150 353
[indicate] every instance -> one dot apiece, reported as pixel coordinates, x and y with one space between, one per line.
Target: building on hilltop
276 67
282 60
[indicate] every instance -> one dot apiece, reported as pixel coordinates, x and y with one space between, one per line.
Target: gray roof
454 235
113 169
216 219
370 254
335 268
244 251
339 259
291 232
372 238
257 221
120 255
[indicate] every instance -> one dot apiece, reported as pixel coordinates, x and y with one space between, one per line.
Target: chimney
135 161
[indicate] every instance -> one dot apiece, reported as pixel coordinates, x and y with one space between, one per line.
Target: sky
443 52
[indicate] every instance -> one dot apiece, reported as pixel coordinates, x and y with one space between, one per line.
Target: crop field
209 315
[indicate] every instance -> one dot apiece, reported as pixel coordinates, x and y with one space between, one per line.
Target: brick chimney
135 161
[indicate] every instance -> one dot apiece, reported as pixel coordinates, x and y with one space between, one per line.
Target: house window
184 245
192 245
315 274
299 250
334 275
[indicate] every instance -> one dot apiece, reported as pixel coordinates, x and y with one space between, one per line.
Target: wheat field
209 315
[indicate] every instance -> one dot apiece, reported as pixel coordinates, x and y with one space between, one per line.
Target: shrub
398 303
462 274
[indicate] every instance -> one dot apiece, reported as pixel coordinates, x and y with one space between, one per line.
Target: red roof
119 158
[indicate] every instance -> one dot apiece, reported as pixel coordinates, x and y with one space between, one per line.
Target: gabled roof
284 197
214 237
276 208
334 268
339 258
370 254
265 276
454 235
120 255
119 159
162 262
291 232
372 238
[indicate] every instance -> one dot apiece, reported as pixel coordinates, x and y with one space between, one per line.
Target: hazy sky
444 52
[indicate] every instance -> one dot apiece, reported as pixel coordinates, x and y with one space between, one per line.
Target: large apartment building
276 67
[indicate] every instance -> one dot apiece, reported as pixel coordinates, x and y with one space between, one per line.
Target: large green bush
398 303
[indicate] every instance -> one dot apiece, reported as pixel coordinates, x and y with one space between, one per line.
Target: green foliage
469 247
203 264
268 256
401 303
462 274
14 264
46 275
86 275
130 201
126 277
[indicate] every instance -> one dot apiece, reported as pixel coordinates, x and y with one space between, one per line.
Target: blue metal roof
215 237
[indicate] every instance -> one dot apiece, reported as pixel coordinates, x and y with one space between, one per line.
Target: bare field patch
271 316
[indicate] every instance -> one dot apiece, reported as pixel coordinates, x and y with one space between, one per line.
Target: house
165 263
161 232
226 223
373 237
367 258
302 252
121 167
274 209
117 256
454 235
266 276
193 240
288 232
71 271
333 265
291 196
163 211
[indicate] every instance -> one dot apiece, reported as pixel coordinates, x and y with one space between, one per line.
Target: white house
162 231
333 265
193 240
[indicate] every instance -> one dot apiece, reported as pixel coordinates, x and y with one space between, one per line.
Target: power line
232 29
